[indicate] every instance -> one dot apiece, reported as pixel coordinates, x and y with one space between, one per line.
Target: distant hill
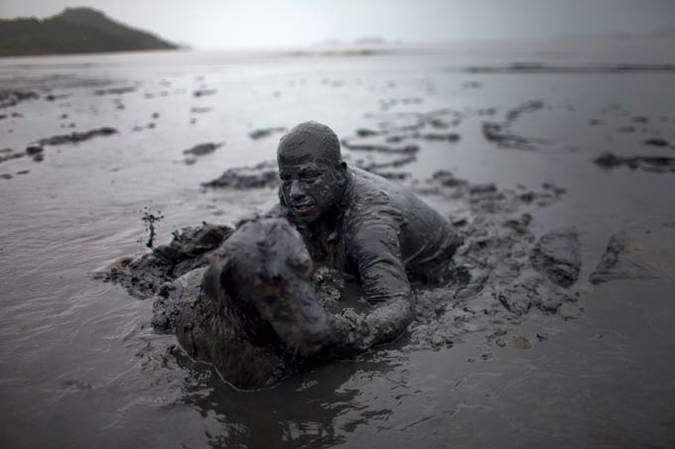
75 30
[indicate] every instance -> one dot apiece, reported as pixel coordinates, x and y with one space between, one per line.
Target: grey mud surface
83 367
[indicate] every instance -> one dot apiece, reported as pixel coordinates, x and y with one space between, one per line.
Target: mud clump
9 98
374 167
264 174
265 132
657 142
32 150
497 132
494 281
200 150
399 133
448 137
500 132
76 137
7 154
359 145
204 92
190 248
655 164
115 91
558 255
622 260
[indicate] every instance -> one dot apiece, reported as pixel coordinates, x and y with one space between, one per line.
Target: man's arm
375 250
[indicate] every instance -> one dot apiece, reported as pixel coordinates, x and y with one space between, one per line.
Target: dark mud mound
496 284
658 142
7 154
501 132
116 90
264 174
655 164
558 255
34 151
151 274
200 150
401 133
76 137
9 98
534 67
265 132
203 149
624 258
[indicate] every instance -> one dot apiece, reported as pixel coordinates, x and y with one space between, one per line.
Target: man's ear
216 276
342 173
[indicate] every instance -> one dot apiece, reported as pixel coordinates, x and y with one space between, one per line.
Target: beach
570 138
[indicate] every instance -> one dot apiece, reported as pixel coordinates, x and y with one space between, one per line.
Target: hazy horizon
213 24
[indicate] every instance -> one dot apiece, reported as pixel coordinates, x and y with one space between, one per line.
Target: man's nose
296 191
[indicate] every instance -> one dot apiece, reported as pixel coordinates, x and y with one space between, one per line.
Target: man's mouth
303 208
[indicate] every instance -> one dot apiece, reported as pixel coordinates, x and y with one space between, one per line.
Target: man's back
385 230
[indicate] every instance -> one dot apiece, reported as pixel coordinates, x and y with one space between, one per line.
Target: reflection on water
81 366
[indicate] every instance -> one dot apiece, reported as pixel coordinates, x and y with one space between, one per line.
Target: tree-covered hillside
75 30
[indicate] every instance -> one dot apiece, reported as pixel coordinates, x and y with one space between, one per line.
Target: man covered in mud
365 226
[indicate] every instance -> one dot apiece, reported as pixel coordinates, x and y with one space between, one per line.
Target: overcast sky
253 23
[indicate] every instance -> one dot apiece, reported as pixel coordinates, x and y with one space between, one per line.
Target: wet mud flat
556 331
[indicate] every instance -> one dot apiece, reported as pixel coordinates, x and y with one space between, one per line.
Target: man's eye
309 178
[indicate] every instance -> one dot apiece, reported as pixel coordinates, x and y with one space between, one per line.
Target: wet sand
571 359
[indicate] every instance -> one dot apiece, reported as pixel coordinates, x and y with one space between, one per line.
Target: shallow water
81 366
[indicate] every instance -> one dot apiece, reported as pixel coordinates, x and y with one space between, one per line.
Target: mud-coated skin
364 225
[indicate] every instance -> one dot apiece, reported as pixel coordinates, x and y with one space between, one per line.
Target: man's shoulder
369 200
368 192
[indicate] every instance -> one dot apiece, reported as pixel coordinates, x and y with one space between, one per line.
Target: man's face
310 188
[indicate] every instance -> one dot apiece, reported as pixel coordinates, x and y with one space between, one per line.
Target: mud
7 154
376 167
76 137
590 68
501 275
623 259
558 255
148 274
10 98
401 133
655 164
204 92
495 284
116 91
265 132
657 142
264 174
501 132
203 149
361 145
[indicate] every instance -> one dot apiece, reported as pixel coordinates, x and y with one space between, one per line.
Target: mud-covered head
313 174
265 266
